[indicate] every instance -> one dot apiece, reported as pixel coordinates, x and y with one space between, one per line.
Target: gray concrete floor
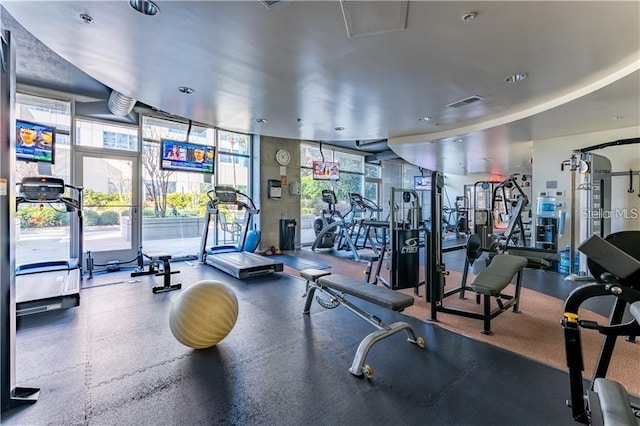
114 361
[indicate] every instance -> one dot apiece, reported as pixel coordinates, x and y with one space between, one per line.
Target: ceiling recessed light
339 129
262 120
86 18
519 76
186 90
145 7
424 118
459 140
469 16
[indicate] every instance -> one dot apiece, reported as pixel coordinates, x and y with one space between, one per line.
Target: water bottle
565 261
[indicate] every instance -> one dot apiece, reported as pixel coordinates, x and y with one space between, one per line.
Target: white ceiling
296 66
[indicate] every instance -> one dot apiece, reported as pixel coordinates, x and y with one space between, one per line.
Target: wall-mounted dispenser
294 188
274 189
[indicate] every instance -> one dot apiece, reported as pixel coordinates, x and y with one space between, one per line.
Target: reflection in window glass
311 153
155 129
45 111
233 170
408 172
48 112
349 162
236 143
106 135
372 171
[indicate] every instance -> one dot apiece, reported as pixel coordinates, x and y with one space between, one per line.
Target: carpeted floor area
535 332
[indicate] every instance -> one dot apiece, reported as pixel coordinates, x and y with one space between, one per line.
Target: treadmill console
226 195
41 189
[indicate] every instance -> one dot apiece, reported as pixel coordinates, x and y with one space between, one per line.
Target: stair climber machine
236 260
49 285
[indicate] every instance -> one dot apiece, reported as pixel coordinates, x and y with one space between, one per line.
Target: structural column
11 395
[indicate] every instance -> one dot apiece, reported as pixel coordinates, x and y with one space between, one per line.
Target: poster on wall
326 171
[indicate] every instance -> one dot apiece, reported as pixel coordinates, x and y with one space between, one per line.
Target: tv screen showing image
186 156
35 142
422 183
326 171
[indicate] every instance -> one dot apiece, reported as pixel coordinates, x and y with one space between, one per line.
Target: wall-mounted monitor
186 156
35 142
422 183
326 171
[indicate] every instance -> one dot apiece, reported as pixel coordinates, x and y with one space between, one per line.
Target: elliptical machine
331 229
328 238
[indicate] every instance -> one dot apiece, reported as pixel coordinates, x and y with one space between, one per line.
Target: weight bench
488 284
160 267
493 280
337 287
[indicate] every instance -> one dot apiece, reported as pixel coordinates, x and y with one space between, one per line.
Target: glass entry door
111 224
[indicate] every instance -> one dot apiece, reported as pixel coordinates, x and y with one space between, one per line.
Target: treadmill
49 285
233 259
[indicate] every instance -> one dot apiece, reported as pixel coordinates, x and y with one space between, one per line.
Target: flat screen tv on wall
35 142
326 171
422 183
186 156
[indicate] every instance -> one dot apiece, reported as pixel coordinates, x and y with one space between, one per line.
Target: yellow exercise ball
203 314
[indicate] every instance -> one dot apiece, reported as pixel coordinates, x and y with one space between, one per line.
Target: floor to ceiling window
175 189
350 178
173 192
234 155
44 231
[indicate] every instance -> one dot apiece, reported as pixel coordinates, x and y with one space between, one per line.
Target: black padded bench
160 266
337 287
493 280
488 284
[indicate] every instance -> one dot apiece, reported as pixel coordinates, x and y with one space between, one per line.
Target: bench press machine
160 267
337 287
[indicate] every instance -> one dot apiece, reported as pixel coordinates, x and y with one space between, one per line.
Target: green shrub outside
109 217
41 217
91 217
148 212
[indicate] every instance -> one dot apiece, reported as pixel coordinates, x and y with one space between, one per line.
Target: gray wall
287 207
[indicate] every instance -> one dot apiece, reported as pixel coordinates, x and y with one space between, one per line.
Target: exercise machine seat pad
157 255
614 403
498 274
634 309
313 274
371 293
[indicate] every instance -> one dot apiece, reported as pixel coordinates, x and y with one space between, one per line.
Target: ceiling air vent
465 101
270 4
